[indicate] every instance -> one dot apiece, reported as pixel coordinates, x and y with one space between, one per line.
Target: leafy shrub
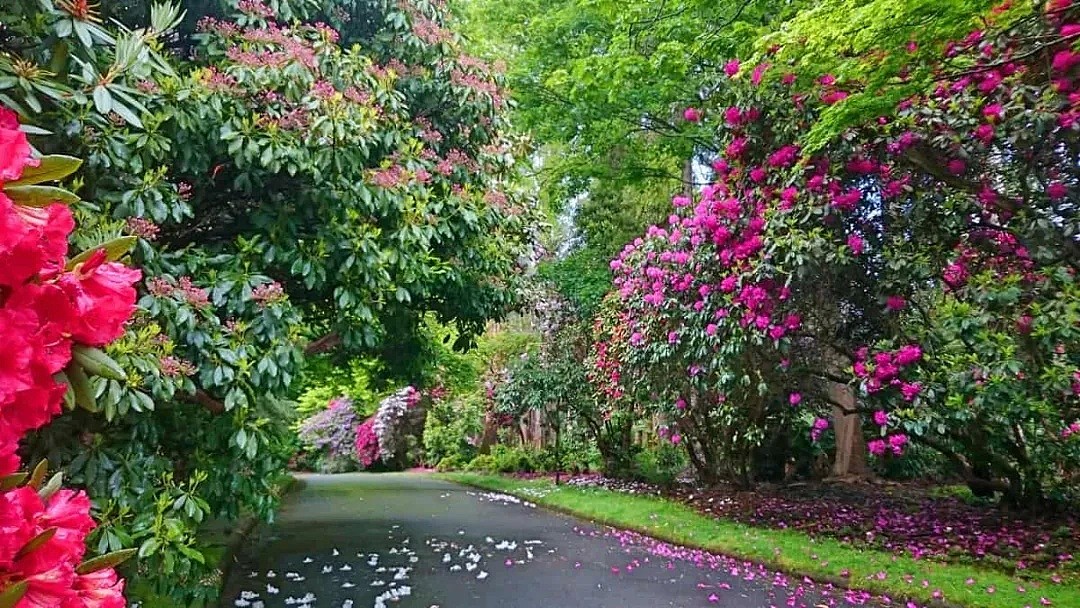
331 434
917 463
513 459
661 465
453 428
454 462
484 463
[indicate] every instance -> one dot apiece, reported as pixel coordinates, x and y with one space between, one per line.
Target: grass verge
822 559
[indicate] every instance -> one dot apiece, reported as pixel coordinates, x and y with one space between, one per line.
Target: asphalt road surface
408 540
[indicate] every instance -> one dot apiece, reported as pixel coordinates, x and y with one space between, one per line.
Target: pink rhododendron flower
895 303
1065 60
910 390
44 310
731 68
1057 190
692 114
784 157
908 354
881 418
759 73
795 398
14 151
855 243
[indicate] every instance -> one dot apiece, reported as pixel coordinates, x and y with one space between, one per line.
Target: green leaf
149 547
127 114
114 250
103 100
80 386
51 486
8 482
35 543
94 361
38 475
50 169
40 196
103 562
69 394
10 596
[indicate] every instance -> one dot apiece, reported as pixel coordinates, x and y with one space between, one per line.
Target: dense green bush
660 465
513 459
484 463
453 428
455 462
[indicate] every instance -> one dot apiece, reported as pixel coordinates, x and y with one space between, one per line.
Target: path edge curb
242 531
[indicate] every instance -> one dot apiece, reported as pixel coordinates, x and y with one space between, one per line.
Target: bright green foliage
582 277
324 379
885 45
454 427
602 85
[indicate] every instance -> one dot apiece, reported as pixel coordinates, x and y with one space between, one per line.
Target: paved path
407 540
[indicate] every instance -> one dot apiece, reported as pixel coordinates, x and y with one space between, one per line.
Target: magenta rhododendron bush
918 271
48 306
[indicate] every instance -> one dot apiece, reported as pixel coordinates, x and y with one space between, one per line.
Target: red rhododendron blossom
14 152
44 310
104 298
101 589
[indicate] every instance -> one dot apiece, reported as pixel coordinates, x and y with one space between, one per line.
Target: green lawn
793 552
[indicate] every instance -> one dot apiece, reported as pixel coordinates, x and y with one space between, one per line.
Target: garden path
369 540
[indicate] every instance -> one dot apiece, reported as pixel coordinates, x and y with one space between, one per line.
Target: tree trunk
850 460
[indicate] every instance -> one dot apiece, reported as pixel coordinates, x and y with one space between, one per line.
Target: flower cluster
268 293
367 443
183 289
331 432
142 228
47 308
717 297
391 420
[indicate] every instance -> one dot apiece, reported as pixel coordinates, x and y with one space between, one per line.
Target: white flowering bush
397 415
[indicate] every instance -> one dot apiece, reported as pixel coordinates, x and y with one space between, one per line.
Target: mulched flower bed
901 518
